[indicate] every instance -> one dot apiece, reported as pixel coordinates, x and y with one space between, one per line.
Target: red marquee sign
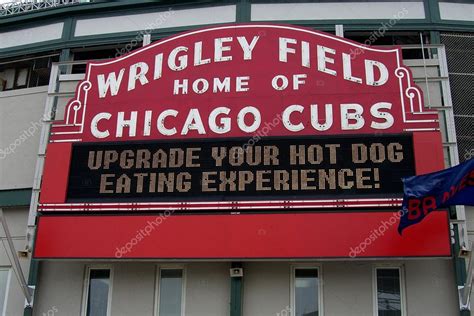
245 81
241 117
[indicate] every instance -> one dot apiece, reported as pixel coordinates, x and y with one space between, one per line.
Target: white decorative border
75 113
222 205
413 93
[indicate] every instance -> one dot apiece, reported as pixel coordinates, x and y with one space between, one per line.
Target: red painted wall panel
310 235
428 149
56 173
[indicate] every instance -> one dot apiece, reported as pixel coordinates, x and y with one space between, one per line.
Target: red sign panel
312 235
245 80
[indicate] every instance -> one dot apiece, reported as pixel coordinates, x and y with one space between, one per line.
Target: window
26 73
4 283
389 291
170 291
391 38
97 291
306 291
98 53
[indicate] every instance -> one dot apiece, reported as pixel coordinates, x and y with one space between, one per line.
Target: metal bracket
464 291
463 306
340 30
31 289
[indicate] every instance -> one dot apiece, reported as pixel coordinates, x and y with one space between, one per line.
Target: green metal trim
415 24
116 38
242 15
432 10
18 197
68 29
435 37
103 6
68 10
458 24
459 263
236 288
243 11
71 19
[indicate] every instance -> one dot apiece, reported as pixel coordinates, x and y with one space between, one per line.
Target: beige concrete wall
348 287
266 288
133 289
21 112
207 289
470 222
431 288
60 288
16 219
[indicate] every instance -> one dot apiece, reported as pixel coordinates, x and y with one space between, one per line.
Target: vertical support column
243 11
49 115
435 37
432 11
340 30
68 29
236 289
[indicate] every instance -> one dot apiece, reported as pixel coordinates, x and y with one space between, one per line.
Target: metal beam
18 197
236 292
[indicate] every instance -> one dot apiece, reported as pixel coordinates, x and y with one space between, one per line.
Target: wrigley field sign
269 140
239 116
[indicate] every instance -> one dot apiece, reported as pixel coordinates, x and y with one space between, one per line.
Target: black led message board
241 169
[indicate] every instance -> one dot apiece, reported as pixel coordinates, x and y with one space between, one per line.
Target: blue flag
426 193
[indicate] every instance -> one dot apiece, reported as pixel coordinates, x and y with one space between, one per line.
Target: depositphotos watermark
375 234
162 17
468 154
263 132
23 137
142 233
51 312
285 312
27 133
380 32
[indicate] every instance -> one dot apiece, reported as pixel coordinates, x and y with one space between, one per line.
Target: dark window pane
388 292
171 283
99 283
306 292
